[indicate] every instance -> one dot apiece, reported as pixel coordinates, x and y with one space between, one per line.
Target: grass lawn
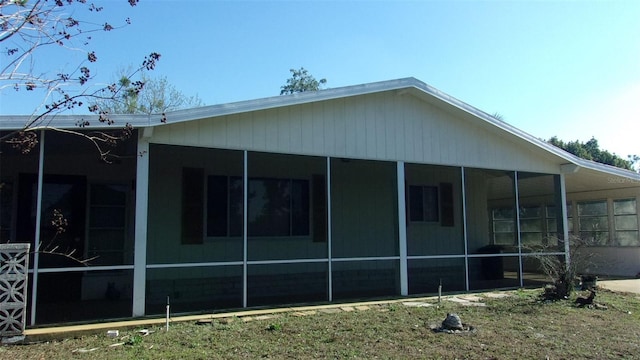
516 327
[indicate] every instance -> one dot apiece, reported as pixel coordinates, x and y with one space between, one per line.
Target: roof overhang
567 163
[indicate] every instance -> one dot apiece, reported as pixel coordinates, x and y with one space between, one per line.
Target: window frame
301 217
584 234
616 216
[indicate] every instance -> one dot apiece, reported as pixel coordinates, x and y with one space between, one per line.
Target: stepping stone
470 303
347 308
471 298
457 300
416 304
362 307
265 317
496 295
330 310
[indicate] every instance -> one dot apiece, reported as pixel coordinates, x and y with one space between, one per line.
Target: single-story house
383 189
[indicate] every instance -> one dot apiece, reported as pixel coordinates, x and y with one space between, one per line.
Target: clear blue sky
565 68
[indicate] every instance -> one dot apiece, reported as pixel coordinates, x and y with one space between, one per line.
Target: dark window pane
236 216
217 206
299 207
269 207
319 208
192 206
592 208
108 194
431 203
446 206
416 207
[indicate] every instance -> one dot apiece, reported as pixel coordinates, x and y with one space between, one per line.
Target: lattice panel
14 267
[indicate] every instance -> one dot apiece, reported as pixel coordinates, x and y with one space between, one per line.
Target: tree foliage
590 150
156 97
27 30
301 81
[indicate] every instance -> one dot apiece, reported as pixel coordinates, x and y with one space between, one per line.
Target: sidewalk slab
627 285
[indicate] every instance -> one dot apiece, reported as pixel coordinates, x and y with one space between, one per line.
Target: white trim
199 264
565 219
464 226
513 254
430 257
371 258
245 217
516 192
140 240
290 261
85 269
36 240
402 229
329 237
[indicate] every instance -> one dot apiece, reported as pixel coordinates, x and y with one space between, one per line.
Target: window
553 224
423 203
107 223
192 207
531 230
276 207
538 225
594 222
224 206
626 222
503 226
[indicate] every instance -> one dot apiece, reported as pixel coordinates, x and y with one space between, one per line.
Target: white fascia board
18 122
287 100
609 169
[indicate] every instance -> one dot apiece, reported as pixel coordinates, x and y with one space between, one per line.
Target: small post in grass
167 319
440 291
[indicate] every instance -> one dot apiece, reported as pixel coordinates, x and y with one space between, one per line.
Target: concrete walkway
627 285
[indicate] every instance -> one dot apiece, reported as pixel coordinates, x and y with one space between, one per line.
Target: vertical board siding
381 126
340 128
295 129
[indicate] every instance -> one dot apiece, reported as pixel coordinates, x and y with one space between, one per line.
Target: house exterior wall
381 126
610 260
434 238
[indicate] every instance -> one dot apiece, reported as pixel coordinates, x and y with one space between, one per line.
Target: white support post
245 217
402 229
465 236
141 223
517 195
329 257
565 225
36 240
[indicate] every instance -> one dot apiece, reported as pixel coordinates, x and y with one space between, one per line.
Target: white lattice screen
14 266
